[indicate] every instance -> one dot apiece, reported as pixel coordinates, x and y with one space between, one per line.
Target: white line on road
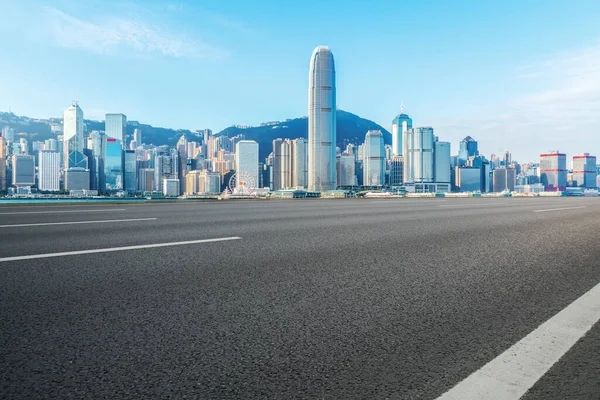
61 211
79 222
111 249
558 209
514 372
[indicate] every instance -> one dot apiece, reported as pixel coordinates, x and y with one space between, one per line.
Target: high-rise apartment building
145 180
374 159
321 121
553 171
584 170
246 159
116 127
49 171
400 125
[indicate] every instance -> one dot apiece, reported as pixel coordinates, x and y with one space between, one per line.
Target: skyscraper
584 170
468 148
441 153
96 161
182 170
23 170
321 121
246 158
553 171
73 137
299 163
418 160
396 171
400 125
116 127
130 171
137 136
374 159
113 164
346 175
281 163
2 163
504 179
49 170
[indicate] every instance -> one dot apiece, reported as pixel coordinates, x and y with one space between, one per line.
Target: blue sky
522 76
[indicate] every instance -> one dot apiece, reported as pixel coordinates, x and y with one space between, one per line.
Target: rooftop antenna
402 107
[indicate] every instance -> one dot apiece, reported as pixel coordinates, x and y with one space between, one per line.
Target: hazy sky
517 75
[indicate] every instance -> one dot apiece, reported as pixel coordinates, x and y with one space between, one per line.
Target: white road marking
112 249
558 209
79 222
61 211
514 372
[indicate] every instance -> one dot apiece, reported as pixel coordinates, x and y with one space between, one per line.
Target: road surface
372 298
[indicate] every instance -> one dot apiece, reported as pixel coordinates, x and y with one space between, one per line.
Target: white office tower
346 172
73 137
418 160
299 163
49 171
115 126
374 159
246 160
442 162
321 121
400 125
137 136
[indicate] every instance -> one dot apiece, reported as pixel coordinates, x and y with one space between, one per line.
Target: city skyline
485 87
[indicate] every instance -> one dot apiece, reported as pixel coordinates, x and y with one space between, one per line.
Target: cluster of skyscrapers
117 161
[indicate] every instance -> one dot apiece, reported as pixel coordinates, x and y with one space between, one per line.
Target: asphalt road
335 299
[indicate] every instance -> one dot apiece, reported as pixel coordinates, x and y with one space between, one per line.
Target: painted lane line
79 222
112 249
514 372
61 211
558 209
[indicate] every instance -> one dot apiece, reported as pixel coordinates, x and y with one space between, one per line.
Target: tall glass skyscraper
468 148
374 160
113 165
400 125
321 121
115 126
418 160
73 137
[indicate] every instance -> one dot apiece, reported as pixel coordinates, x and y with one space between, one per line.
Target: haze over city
456 67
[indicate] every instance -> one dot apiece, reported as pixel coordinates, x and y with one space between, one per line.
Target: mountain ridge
350 129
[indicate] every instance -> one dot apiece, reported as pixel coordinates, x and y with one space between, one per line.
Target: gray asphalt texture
399 298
